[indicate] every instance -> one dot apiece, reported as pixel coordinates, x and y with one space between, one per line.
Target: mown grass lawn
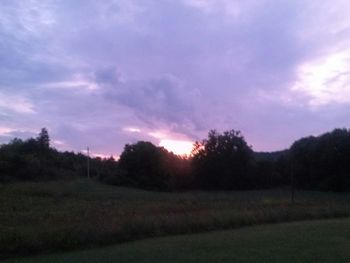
306 241
54 216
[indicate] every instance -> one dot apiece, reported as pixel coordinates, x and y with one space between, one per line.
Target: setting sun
177 146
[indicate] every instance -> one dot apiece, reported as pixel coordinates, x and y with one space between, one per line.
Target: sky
106 73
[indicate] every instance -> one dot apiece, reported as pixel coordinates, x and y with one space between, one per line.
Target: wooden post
292 184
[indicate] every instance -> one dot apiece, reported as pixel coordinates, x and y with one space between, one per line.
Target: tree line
222 161
34 159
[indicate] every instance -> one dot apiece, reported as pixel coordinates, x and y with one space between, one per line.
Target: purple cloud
108 73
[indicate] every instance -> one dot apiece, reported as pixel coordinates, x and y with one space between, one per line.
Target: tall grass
42 217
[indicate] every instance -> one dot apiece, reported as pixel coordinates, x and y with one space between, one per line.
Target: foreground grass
46 217
312 241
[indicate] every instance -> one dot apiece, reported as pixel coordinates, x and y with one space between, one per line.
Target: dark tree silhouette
322 162
34 159
142 162
223 161
43 138
152 167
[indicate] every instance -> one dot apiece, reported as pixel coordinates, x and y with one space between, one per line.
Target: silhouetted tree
223 161
43 139
34 159
151 167
142 163
323 162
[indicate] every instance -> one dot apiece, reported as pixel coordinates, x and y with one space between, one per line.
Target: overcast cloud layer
106 73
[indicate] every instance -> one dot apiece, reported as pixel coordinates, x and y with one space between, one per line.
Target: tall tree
151 167
223 161
143 163
43 138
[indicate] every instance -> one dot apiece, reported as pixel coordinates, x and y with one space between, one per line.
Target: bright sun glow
177 146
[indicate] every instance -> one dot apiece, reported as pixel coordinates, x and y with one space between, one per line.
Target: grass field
311 241
54 216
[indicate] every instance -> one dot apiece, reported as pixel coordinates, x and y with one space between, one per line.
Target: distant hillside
270 156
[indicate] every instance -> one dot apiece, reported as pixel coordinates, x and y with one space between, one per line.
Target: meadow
305 241
45 217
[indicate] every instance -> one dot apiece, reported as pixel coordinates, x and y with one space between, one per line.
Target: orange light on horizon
178 147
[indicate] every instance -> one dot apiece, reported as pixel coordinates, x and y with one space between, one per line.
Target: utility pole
292 179
88 162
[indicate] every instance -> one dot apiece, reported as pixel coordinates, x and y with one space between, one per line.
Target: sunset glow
254 66
177 146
